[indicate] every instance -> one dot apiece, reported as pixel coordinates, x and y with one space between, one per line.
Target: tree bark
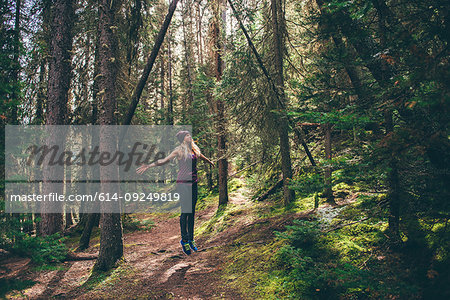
187 57
169 115
209 175
393 183
40 98
57 95
89 220
217 29
199 34
92 221
16 68
301 137
283 125
111 241
328 192
163 73
68 191
38 120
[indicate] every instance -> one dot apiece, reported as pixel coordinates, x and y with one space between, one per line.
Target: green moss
344 263
217 223
206 198
72 242
342 186
248 269
234 184
105 281
306 203
223 218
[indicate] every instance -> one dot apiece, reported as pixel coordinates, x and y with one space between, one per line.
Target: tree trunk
365 46
209 175
68 184
302 138
187 58
40 98
169 116
283 126
199 34
365 98
392 180
57 95
162 83
217 29
16 67
92 220
69 217
222 149
111 241
298 131
148 67
37 190
328 192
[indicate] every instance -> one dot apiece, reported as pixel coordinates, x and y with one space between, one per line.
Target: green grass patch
46 267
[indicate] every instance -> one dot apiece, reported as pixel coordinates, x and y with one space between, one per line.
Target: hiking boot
185 246
193 245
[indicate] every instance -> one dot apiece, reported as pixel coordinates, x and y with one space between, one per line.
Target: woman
187 154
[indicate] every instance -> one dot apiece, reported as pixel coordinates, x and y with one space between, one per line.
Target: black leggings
187 219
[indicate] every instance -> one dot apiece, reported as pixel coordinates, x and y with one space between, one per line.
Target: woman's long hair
187 149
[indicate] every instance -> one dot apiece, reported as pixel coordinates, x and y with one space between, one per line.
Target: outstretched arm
159 162
206 159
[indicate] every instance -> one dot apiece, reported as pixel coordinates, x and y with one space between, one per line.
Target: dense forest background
334 115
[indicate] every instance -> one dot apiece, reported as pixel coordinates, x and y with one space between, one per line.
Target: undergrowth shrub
41 250
314 265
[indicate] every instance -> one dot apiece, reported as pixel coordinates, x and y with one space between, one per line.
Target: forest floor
154 267
245 252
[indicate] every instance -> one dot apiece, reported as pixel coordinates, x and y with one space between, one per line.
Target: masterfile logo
51 167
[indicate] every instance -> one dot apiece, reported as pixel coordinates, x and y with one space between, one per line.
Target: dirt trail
154 268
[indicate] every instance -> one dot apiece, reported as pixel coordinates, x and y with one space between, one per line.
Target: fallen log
271 191
309 124
247 167
78 257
